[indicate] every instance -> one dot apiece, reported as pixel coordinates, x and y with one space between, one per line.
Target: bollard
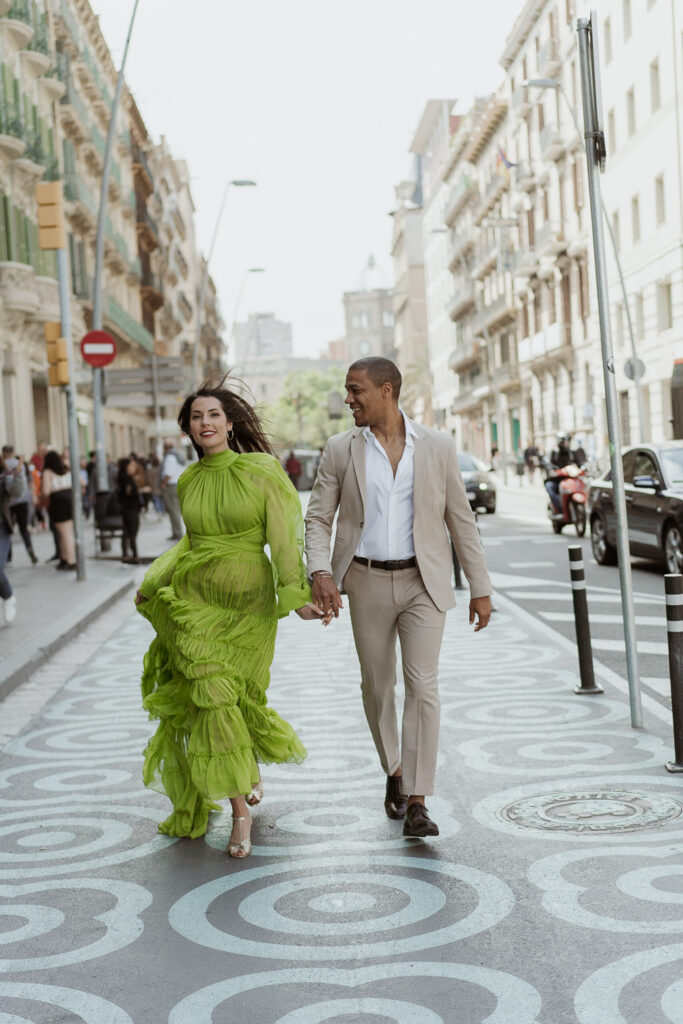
673 589
583 629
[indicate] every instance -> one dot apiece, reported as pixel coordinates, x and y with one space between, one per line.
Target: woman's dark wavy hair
54 462
249 435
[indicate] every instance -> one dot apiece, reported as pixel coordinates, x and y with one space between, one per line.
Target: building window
626 8
660 204
635 218
616 230
631 111
387 318
577 176
655 97
607 35
611 133
584 307
570 10
625 417
640 317
665 318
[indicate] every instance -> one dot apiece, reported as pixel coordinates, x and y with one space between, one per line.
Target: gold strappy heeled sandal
256 795
242 848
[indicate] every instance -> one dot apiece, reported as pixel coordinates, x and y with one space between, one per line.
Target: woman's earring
231 434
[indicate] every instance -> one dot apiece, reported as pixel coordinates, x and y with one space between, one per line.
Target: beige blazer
440 503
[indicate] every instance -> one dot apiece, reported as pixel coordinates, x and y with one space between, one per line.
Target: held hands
139 598
325 594
481 608
312 611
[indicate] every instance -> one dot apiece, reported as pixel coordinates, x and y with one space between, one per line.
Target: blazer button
362 524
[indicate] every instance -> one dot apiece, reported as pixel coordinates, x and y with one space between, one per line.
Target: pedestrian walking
20 507
398 489
56 488
12 485
520 466
213 603
294 469
171 468
532 459
153 478
130 504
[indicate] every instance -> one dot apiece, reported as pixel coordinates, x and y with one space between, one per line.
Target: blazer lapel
358 459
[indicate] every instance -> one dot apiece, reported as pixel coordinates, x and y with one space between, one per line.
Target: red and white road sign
98 348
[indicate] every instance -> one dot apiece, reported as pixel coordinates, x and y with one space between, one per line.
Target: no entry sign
98 348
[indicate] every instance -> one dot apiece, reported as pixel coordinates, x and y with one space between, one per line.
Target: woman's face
209 426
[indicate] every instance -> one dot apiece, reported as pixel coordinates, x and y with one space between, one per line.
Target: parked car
653 482
481 488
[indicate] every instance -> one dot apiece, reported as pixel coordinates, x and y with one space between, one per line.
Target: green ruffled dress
214 600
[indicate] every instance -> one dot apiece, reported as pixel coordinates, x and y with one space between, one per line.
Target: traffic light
57 356
51 230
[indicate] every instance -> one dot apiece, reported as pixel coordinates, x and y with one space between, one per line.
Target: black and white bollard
673 589
583 629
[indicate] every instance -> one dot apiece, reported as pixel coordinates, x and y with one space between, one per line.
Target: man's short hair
379 369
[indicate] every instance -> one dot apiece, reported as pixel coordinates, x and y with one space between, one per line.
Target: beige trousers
384 606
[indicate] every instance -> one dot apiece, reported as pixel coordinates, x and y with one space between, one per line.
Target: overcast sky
318 102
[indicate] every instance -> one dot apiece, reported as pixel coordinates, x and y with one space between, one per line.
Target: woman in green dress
214 600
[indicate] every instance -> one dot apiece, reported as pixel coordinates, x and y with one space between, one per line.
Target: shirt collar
410 431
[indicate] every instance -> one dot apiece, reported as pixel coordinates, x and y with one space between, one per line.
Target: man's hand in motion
325 593
480 607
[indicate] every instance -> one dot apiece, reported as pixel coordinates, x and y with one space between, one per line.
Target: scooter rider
560 457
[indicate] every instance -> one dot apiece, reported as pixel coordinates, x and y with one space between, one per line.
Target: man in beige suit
398 488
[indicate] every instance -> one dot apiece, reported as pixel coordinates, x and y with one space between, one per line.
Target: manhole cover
604 811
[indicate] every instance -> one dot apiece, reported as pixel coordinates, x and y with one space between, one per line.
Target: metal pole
70 390
97 377
594 140
581 622
673 587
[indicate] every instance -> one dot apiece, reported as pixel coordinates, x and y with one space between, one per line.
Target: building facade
56 90
261 336
369 315
514 338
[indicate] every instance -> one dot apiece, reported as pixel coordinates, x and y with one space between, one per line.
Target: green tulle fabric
214 600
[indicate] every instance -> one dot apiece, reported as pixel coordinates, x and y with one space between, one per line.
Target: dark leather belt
391 566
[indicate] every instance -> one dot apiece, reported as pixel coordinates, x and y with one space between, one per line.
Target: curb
44 653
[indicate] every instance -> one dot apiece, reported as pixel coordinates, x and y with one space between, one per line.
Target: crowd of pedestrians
36 495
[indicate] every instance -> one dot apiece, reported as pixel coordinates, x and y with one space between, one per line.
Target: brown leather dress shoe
395 802
418 824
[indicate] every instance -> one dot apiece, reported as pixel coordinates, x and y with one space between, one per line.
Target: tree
299 418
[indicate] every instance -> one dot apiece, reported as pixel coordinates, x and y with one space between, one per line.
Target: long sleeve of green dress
214 600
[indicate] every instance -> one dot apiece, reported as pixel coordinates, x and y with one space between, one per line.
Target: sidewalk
52 606
550 897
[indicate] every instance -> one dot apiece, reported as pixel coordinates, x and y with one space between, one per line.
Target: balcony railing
72 99
520 100
11 122
151 280
70 22
463 355
130 327
76 192
143 216
525 176
82 287
548 57
550 237
461 301
140 158
465 188
523 262
21 11
552 142
40 42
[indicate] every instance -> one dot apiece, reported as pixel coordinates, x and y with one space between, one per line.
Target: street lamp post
238 183
552 83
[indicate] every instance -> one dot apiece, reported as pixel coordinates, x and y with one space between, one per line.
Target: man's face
366 401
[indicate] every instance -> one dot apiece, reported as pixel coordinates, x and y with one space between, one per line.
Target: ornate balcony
485 259
464 355
151 289
520 101
467 188
500 311
142 171
462 301
548 343
84 208
124 324
550 240
148 232
523 263
525 176
552 142
463 244
19 23
12 141
549 62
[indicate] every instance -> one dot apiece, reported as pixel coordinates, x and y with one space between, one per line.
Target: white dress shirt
388 532
171 467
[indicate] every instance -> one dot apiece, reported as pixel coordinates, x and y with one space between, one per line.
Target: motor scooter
573 495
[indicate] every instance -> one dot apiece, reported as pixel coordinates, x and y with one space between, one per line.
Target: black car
481 489
653 482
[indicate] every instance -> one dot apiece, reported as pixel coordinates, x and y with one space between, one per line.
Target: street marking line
531 565
644 646
661 684
641 620
566 596
606 673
